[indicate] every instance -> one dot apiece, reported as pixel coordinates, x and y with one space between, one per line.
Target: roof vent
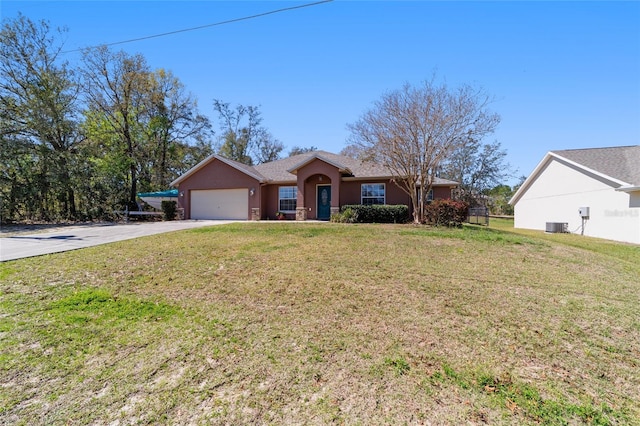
557 227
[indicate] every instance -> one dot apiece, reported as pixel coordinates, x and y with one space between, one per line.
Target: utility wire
229 21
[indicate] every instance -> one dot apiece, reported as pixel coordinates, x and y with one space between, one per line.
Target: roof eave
545 160
192 170
280 182
356 178
445 182
527 182
628 188
340 167
206 161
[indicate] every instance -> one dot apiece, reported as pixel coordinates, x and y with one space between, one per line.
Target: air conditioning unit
557 227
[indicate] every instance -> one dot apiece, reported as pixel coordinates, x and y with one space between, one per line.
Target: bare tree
172 122
267 148
297 150
243 138
358 152
477 167
414 129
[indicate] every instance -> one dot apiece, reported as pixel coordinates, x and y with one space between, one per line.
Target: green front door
324 202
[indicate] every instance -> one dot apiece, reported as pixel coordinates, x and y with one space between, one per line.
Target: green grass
324 323
620 251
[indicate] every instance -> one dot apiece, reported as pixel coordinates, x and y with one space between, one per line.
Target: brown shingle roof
621 163
276 171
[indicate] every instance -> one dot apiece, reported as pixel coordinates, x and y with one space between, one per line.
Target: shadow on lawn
54 237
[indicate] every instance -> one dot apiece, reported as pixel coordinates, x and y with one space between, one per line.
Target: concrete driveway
76 237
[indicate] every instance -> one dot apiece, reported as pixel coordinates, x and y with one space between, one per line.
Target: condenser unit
557 227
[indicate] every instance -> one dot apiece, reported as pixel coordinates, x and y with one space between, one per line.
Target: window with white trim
429 195
287 198
372 193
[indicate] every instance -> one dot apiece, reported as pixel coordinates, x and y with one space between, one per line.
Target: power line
229 21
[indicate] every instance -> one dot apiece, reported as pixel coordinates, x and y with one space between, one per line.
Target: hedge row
446 213
380 213
169 208
437 213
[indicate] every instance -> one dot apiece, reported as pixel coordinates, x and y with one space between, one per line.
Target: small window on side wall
287 199
372 193
429 196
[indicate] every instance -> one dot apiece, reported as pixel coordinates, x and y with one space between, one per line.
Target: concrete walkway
76 237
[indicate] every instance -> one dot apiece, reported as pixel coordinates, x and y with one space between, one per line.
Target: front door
324 202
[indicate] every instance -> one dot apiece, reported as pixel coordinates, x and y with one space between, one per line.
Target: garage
220 204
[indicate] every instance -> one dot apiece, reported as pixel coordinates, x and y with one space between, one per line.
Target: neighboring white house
596 192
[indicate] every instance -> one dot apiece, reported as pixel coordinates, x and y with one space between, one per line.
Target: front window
287 198
429 196
372 193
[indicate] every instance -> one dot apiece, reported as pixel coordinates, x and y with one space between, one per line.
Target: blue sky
564 74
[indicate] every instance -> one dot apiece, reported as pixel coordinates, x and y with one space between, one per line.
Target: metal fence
478 216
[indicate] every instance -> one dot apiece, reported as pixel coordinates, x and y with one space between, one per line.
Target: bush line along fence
379 213
446 213
437 213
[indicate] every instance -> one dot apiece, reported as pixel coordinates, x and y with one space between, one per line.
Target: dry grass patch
322 323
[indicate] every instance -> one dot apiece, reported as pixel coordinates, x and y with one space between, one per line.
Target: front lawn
324 323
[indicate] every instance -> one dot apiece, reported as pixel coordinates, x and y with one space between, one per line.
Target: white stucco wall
560 189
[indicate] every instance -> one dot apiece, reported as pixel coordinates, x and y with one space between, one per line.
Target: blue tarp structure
167 193
154 199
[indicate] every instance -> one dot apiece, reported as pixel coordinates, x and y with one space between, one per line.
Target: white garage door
220 204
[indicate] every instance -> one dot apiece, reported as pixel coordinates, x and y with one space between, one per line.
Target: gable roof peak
244 168
322 156
618 164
